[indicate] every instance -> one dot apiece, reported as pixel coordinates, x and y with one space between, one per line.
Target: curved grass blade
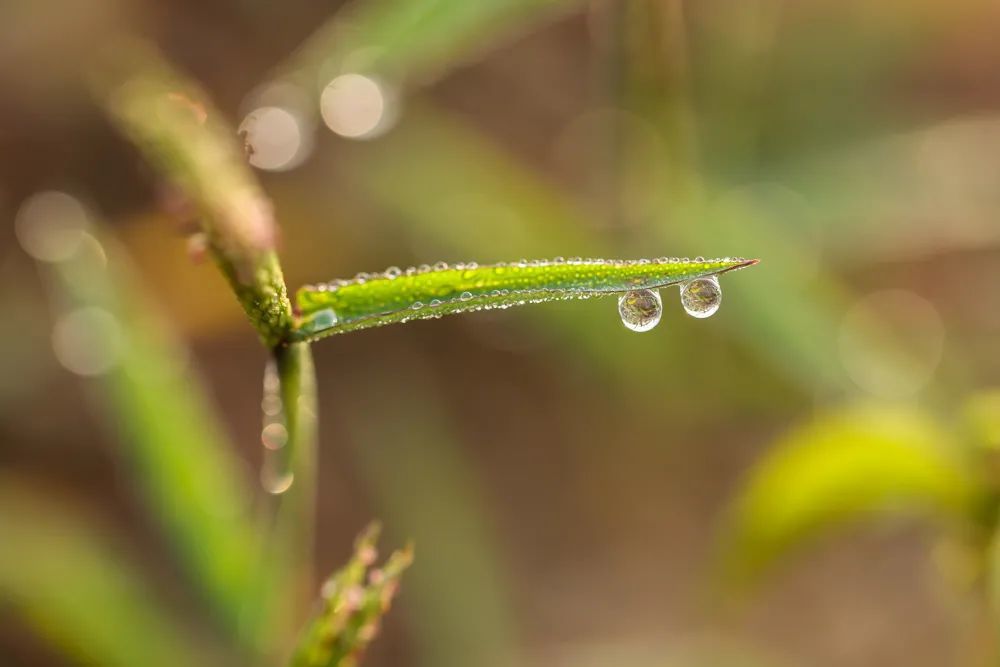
395 296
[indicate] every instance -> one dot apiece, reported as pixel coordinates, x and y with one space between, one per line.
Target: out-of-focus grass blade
80 590
397 296
185 470
841 467
174 124
400 39
457 600
354 599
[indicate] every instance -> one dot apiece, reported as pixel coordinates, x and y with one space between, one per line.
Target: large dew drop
640 310
701 297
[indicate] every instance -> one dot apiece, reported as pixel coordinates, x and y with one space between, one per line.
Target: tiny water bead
701 297
640 310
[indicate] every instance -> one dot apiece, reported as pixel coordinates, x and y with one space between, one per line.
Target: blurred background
577 494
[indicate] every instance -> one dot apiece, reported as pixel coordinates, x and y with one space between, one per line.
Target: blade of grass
396 296
407 39
457 601
172 122
79 588
187 472
289 474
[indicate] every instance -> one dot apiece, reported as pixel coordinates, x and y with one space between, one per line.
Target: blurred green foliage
861 461
79 588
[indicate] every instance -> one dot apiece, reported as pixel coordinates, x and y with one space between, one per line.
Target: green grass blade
428 292
418 473
184 468
79 589
289 474
414 39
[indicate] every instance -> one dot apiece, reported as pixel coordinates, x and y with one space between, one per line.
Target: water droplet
640 310
416 305
274 435
701 297
270 405
465 296
392 272
441 266
276 482
435 303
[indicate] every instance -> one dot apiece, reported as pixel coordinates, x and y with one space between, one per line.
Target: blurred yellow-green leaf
847 465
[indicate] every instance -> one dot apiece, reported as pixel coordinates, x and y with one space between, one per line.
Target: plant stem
178 131
295 513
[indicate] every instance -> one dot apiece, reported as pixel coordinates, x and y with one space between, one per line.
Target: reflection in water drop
640 310
701 297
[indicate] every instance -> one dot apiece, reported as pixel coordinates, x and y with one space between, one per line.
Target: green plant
257 583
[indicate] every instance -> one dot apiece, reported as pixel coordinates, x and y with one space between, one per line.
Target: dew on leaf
701 297
640 310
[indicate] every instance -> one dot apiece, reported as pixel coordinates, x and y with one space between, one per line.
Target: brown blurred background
564 480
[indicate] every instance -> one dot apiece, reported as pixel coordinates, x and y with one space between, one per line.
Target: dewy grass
177 130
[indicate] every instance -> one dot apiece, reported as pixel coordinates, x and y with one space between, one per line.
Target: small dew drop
441 266
275 482
392 272
640 310
435 303
274 435
701 297
465 296
416 305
